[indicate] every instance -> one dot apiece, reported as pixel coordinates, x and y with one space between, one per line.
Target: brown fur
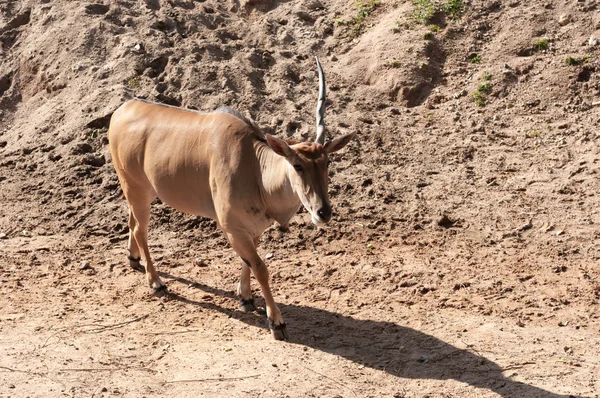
212 165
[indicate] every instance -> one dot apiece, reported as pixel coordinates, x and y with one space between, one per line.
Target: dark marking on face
253 210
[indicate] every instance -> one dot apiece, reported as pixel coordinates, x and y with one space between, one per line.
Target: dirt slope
463 256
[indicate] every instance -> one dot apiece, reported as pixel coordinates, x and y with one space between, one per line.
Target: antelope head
307 162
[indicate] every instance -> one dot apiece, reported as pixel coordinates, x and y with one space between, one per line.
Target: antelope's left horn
320 113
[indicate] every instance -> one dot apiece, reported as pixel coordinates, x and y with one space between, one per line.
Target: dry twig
104 369
168 333
213 379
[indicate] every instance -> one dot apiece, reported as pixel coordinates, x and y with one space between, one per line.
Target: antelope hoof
135 264
247 305
279 332
160 291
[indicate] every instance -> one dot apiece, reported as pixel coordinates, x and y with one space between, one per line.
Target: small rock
3 235
25 233
84 265
333 58
460 94
305 16
82 148
11 386
564 19
313 4
592 41
200 262
269 255
94 160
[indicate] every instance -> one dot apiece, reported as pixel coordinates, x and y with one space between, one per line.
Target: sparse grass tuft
400 25
454 9
424 10
474 58
394 64
434 28
572 61
540 45
480 96
480 99
485 87
364 9
133 82
428 35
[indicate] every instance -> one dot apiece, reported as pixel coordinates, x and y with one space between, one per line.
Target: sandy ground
463 256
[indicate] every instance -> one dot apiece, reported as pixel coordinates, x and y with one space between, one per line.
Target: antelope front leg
244 292
141 214
132 246
244 246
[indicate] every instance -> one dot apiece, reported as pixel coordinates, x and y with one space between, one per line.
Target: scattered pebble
461 93
94 160
200 262
564 19
25 233
592 41
269 255
81 148
314 5
84 265
3 235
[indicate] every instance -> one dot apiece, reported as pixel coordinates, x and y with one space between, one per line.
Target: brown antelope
219 165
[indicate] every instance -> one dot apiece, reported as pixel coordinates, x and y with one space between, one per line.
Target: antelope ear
278 146
338 143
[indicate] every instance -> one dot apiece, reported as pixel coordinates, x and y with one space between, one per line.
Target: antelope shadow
398 350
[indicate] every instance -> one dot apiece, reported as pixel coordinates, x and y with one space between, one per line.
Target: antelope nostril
325 213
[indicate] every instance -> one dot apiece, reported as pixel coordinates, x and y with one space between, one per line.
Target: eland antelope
222 166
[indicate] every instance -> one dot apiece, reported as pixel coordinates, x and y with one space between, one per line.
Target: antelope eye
298 168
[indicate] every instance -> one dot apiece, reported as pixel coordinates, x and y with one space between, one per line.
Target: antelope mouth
318 221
